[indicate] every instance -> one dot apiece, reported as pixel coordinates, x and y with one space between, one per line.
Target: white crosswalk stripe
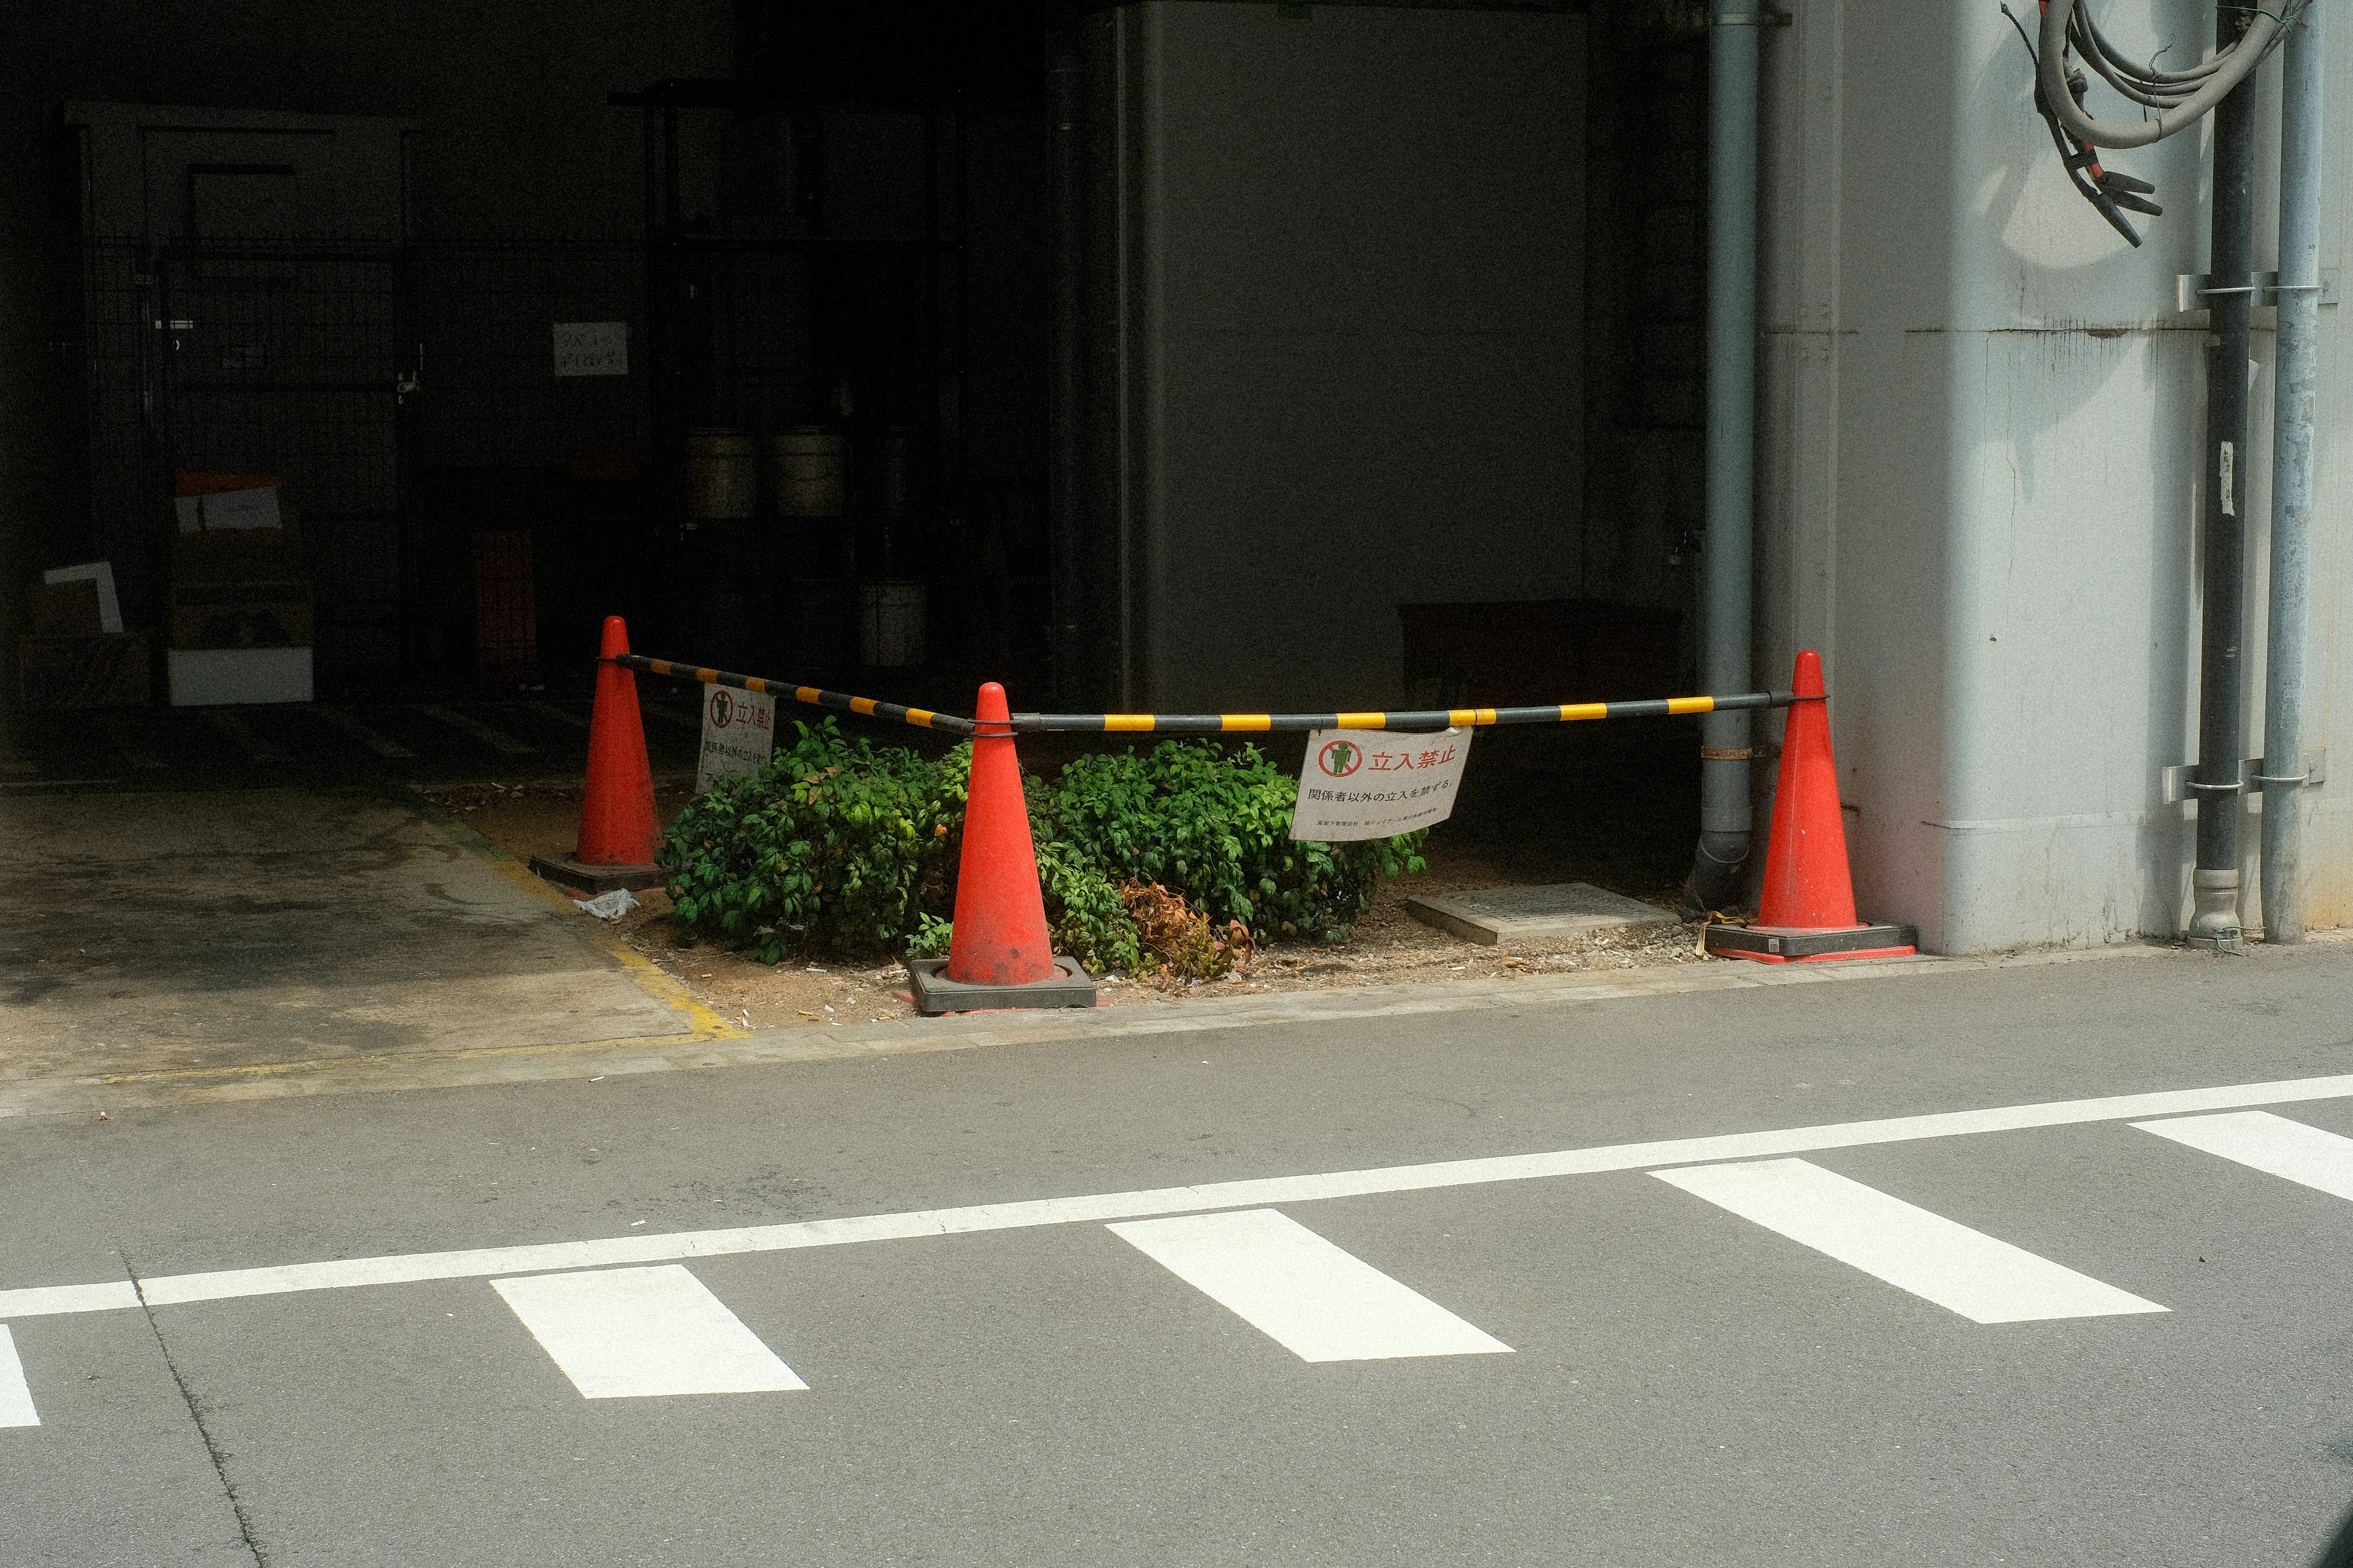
2272 1145
621 1318
631 1334
15 1397
1305 1294
1938 1259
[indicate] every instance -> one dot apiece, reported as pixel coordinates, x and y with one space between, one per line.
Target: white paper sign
592 348
739 730
256 508
1370 784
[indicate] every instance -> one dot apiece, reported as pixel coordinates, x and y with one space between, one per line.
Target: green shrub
837 846
1083 908
932 937
1217 829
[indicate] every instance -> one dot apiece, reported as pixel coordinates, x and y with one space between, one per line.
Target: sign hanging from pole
1371 784
739 732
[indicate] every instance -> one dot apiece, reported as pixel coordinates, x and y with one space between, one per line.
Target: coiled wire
2179 98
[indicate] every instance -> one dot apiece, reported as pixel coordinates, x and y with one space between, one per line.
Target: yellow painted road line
705 1023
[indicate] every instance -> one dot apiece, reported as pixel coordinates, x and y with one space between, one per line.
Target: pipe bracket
2177 783
2191 288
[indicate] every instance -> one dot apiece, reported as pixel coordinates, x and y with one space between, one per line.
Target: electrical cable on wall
2178 97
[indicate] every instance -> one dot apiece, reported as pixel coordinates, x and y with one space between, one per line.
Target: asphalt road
1532 1361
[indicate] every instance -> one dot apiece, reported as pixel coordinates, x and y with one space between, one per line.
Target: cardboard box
240 588
104 671
99 575
241 615
66 610
203 678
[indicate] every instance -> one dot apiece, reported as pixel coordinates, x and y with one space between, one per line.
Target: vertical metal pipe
1725 568
2214 885
1066 471
2291 420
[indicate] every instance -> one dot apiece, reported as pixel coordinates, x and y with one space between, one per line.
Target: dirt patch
1389 946
539 816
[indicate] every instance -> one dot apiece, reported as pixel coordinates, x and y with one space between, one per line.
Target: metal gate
288 360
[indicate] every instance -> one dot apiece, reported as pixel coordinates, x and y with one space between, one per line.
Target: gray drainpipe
2214 918
1717 876
2292 415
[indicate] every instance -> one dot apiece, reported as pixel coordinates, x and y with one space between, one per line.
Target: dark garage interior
801 337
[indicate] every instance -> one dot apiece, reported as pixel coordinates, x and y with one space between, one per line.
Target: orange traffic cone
618 834
1806 912
1001 954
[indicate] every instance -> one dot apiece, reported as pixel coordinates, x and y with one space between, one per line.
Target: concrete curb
530 1064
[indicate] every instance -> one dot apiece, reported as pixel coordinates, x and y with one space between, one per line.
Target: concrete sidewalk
152 937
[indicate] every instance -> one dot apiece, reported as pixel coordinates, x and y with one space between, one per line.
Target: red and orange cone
1806 913
1001 954
618 835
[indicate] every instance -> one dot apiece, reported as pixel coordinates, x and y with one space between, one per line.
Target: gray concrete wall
1979 479
1349 357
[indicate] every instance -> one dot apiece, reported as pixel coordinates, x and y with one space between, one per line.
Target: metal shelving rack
696 272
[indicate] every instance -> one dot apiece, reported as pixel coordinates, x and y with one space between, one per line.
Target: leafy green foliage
1084 909
1217 830
837 846
841 846
930 939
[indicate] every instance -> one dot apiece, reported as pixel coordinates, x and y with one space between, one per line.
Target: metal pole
1717 868
2292 417
2230 298
1067 472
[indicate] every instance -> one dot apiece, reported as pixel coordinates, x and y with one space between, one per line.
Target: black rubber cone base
935 992
1788 944
567 872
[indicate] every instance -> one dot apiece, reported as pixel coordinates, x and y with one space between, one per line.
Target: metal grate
346 369
485 313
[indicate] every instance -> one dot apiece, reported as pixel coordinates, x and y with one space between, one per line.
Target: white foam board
203 678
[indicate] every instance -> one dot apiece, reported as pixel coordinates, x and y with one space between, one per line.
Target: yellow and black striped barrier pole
1415 719
813 696
1216 723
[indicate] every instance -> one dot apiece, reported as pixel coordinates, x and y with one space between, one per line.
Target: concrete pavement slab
223 934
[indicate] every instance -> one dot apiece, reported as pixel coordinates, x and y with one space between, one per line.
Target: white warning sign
592 348
1370 784
739 730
